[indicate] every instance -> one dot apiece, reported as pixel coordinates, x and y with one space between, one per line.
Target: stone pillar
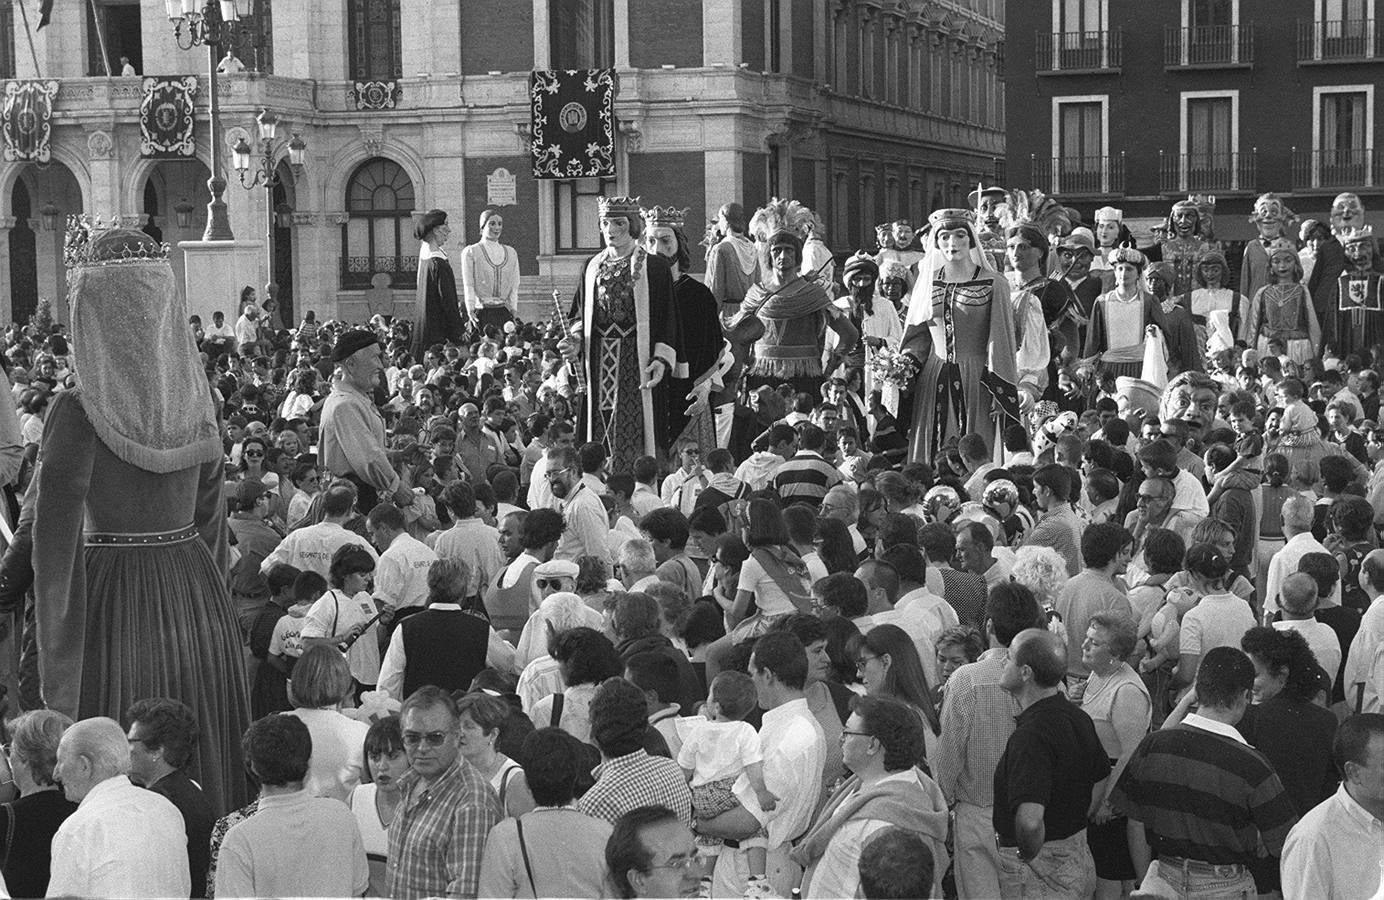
106 186
431 36
214 273
721 35
723 171
61 46
622 34
317 264
326 55
6 223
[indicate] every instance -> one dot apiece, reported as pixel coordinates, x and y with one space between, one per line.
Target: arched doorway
174 202
23 261
47 194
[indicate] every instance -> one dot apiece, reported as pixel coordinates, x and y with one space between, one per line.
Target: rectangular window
891 65
775 35
840 47
575 204
1344 137
934 62
867 58
1211 13
1210 140
1345 10
376 45
1079 141
581 34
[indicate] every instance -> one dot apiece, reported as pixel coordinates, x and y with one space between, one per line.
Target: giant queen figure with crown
624 329
960 330
130 552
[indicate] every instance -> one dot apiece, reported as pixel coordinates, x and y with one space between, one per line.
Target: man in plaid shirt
629 777
439 831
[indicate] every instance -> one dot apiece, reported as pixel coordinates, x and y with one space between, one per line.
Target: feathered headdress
775 216
1036 210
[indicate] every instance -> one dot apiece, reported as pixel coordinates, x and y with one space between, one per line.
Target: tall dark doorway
23 258
118 22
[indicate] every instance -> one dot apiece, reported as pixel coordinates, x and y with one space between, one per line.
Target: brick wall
521 220
665 32
496 36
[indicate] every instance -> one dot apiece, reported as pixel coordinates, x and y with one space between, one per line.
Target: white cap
1109 214
559 568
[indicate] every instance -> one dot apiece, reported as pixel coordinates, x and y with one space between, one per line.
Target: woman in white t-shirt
773 581
482 718
345 616
375 802
321 683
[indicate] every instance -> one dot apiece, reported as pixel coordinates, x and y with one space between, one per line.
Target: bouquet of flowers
890 367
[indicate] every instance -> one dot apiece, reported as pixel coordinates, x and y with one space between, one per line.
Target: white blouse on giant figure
490 276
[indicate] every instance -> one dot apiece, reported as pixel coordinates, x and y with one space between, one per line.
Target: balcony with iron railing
1351 169
1337 41
1074 52
1079 176
1207 173
357 272
1208 47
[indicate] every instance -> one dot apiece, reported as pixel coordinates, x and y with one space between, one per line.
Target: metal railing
1078 51
1208 46
1079 176
357 271
1182 173
1337 40
1337 169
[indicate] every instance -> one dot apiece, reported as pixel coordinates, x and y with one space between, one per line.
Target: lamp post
262 168
210 24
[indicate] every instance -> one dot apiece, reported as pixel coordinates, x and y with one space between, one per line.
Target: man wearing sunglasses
439 830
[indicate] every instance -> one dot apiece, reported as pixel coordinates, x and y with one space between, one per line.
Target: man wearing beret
352 434
437 314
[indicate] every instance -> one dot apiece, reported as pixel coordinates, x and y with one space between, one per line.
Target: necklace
490 259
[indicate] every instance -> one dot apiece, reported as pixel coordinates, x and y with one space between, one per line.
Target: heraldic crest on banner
166 117
573 122
26 120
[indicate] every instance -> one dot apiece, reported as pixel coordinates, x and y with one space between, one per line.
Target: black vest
443 647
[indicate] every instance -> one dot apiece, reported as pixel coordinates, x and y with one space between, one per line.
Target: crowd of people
1017 561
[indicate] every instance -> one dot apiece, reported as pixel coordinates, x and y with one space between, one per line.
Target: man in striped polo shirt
807 476
1205 798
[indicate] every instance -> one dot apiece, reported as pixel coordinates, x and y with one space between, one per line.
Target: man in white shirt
683 485
645 499
310 549
560 438
1298 600
469 539
123 840
1297 527
637 562
842 504
401 575
759 470
586 529
1335 850
1364 649
794 751
922 614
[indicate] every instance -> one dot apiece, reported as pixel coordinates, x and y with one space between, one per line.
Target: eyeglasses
432 738
548 583
692 451
844 734
861 663
680 863
253 454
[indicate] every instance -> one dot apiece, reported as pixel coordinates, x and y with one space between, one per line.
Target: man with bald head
123 841
1364 673
1298 600
475 450
841 503
1049 781
1297 528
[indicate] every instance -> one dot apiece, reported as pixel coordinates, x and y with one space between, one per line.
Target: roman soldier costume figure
624 328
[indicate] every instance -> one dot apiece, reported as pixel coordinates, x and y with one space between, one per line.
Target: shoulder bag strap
524 850
556 717
9 833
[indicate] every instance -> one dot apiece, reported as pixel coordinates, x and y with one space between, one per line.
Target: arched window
379 203
375 40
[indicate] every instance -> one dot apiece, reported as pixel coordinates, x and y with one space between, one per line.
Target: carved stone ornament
372 138
100 145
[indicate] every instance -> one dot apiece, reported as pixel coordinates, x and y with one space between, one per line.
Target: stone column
6 223
106 186
310 40
431 36
721 34
622 34
61 46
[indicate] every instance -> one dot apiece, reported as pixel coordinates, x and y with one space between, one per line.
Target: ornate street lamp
259 166
210 24
51 217
182 213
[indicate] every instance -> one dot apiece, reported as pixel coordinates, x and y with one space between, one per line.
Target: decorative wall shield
26 120
166 117
376 94
573 122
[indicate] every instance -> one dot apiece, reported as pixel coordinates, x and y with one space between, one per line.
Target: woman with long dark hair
888 663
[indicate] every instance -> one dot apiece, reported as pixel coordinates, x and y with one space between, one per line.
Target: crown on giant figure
951 218
1204 204
93 242
1357 235
616 207
667 216
1282 245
